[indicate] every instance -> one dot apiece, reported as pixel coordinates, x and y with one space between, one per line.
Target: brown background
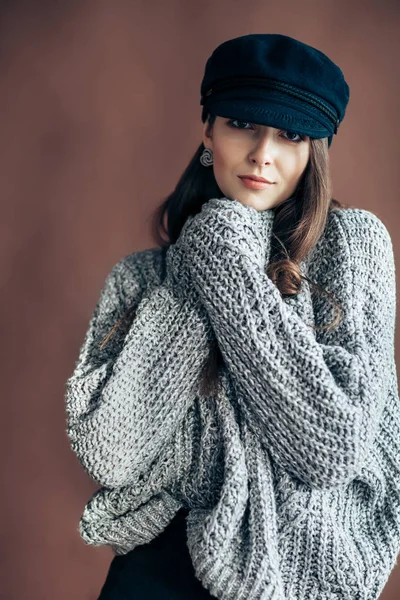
100 113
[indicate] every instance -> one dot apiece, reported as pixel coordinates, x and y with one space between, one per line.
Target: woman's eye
232 121
236 124
300 137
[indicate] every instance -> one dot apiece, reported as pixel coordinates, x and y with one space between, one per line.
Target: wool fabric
291 471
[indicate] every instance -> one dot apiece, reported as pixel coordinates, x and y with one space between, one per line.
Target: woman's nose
263 153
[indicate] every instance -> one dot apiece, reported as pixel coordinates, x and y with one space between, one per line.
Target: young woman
236 394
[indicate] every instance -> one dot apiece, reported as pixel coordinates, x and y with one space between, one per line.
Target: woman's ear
207 139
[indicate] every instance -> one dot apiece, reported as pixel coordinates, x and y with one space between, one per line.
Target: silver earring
206 157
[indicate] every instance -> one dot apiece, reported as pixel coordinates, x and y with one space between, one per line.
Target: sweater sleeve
316 406
125 401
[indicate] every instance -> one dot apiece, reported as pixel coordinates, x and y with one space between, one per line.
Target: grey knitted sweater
291 472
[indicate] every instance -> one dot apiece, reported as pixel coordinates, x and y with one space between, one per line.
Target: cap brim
273 114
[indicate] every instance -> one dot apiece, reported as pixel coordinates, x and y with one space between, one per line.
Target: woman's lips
253 184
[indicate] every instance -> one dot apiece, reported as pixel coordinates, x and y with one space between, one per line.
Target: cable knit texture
291 471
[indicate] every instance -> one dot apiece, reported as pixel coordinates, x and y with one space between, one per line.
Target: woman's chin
256 203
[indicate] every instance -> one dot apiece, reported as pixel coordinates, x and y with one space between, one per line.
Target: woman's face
242 148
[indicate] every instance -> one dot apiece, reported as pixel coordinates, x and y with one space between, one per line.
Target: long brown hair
298 225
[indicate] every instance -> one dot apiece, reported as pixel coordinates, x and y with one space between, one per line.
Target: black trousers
160 570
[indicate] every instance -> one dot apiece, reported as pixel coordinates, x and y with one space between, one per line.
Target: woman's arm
316 406
125 402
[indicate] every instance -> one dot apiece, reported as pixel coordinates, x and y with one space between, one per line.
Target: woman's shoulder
149 260
357 224
141 268
351 236
135 273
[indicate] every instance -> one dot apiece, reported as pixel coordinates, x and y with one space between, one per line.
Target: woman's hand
240 226
224 223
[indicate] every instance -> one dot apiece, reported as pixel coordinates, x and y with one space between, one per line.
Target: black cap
273 79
